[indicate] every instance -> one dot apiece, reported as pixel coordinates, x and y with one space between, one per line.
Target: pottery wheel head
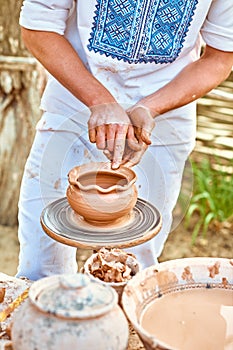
61 223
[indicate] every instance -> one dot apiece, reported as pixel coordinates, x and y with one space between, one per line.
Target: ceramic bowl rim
95 167
163 266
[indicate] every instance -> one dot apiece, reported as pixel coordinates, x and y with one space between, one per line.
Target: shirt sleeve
217 30
46 15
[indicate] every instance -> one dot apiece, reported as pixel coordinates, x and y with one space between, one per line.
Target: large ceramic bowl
193 277
99 194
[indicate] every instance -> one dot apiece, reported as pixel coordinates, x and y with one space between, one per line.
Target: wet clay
192 319
101 195
103 179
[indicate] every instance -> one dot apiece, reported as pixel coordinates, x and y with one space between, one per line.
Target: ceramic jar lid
72 296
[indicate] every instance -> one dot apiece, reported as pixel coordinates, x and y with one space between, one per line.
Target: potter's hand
130 157
142 122
109 126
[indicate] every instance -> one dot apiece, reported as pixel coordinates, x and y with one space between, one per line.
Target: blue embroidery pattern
141 30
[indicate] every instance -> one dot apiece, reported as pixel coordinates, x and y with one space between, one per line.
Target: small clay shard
2 294
214 270
187 274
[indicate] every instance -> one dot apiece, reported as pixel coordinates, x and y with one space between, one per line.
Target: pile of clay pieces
113 265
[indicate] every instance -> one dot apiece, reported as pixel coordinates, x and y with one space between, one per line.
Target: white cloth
133 48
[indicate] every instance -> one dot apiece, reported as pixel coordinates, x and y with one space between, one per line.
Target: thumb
145 136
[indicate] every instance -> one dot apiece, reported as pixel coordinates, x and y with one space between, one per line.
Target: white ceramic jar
70 312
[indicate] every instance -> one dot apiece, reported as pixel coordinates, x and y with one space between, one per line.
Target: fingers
130 157
143 123
122 136
142 135
100 137
145 136
110 142
119 145
108 154
112 138
135 157
92 135
104 136
132 141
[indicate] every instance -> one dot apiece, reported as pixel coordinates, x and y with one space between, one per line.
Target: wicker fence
215 124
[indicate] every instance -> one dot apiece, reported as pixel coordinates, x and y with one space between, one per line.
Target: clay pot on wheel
70 312
101 195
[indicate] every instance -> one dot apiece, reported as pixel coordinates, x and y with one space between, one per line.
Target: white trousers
52 155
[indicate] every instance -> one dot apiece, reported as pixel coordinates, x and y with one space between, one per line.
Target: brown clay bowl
99 194
118 286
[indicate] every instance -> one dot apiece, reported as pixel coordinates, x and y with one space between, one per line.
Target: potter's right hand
109 127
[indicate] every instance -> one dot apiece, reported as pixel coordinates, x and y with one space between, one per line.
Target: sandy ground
178 245
9 248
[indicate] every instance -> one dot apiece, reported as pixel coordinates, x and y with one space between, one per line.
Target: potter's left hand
142 122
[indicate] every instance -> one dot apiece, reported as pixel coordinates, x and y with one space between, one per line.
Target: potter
101 195
70 312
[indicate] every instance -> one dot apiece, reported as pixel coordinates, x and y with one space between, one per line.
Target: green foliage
212 197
